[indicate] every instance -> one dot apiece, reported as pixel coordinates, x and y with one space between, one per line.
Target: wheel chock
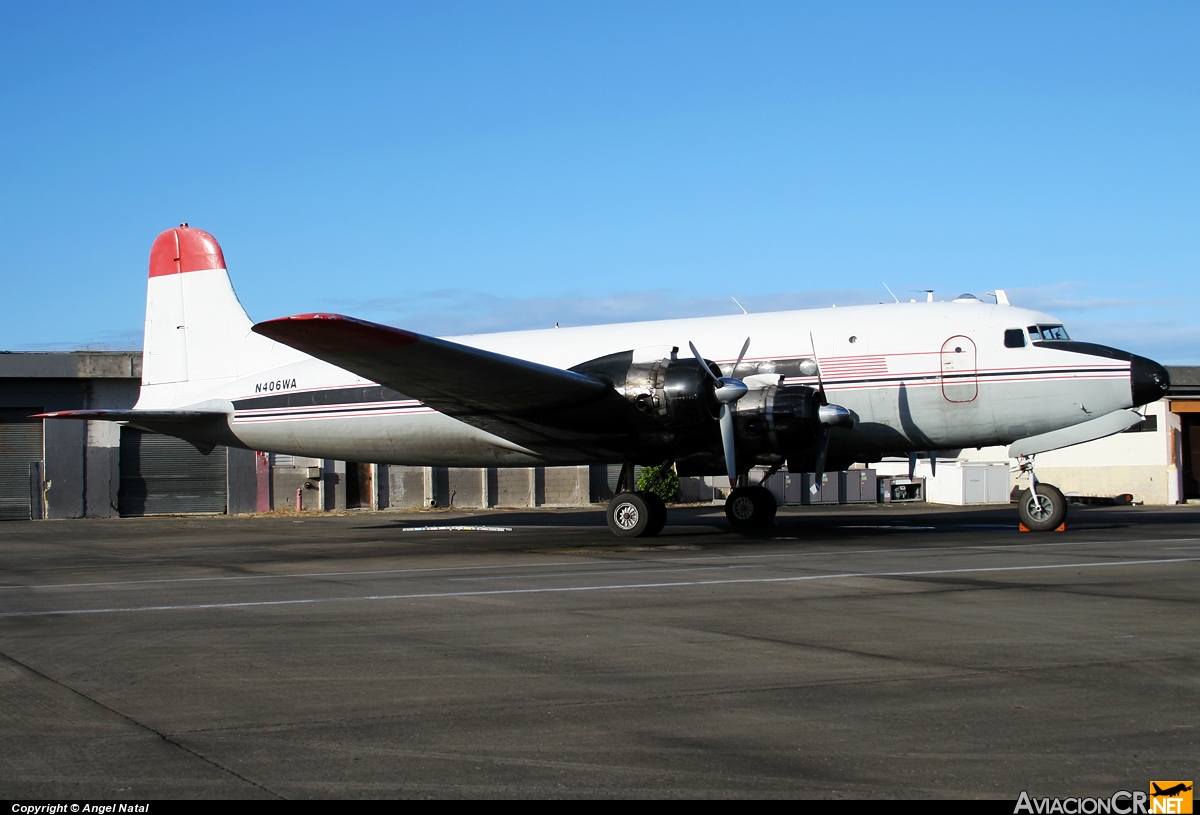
1022 528
1062 527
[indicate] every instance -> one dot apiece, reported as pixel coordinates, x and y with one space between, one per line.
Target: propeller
829 416
727 391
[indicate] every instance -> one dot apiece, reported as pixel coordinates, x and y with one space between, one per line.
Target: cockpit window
1048 332
1014 338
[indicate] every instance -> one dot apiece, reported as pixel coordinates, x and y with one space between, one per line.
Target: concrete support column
102 475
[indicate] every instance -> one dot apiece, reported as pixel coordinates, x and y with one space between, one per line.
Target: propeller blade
822 452
727 443
933 463
703 364
820 381
741 354
912 465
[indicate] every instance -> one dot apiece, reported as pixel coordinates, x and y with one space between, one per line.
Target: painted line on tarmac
599 561
620 587
537 575
456 529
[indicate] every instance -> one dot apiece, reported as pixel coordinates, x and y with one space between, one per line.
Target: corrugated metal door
162 475
20 444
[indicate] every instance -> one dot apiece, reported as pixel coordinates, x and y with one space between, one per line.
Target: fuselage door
959 380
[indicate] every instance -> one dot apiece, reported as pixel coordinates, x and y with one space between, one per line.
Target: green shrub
665 486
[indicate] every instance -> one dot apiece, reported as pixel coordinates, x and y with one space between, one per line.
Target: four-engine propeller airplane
809 390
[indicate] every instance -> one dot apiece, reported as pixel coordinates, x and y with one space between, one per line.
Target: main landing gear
642 514
750 507
1042 507
635 514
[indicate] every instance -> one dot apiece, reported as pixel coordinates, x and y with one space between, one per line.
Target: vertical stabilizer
197 333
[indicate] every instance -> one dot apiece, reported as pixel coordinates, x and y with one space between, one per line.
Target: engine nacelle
679 413
777 419
676 393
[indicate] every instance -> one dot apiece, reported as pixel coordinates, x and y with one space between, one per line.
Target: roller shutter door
162 475
20 443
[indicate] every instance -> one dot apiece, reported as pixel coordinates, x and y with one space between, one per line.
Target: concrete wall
406 487
515 487
467 487
567 486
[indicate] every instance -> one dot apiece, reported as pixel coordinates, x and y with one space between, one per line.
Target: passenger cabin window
1014 338
1048 332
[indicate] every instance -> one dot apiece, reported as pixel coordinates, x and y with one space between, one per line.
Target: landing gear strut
1042 507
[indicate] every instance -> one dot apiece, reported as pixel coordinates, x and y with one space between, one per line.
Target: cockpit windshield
1048 332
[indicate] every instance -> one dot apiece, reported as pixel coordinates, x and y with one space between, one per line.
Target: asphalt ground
850 652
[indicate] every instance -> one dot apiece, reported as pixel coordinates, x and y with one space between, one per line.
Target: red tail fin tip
185 249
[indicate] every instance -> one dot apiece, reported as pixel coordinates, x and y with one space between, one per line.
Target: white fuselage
917 376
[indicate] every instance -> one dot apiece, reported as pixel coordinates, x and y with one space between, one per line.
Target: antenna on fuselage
739 305
928 295
892 293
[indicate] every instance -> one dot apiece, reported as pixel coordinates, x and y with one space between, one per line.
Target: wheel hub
1040 507
743 508
626 516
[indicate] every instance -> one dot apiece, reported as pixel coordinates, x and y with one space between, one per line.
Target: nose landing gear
1042 507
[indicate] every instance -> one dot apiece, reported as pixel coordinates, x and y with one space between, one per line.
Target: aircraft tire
750 507
1044 512
768 506
629 515
658 513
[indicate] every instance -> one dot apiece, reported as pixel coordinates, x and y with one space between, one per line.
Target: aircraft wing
539 407
453 378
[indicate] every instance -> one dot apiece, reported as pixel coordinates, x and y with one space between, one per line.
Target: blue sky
468 167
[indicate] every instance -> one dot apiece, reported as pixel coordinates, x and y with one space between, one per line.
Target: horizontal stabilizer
1097 428
452 378
135 416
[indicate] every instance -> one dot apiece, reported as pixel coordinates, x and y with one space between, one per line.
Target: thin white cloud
1140 318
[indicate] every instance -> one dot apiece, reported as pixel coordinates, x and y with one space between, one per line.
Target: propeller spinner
727 391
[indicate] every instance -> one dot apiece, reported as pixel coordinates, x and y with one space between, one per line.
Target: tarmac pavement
850 652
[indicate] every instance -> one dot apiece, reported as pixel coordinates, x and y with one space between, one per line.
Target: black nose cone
1147 380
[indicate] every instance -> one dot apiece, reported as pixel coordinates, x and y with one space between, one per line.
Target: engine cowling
675 393
678 395
679 413
777 419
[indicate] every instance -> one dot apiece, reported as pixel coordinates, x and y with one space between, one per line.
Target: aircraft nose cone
1148 381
